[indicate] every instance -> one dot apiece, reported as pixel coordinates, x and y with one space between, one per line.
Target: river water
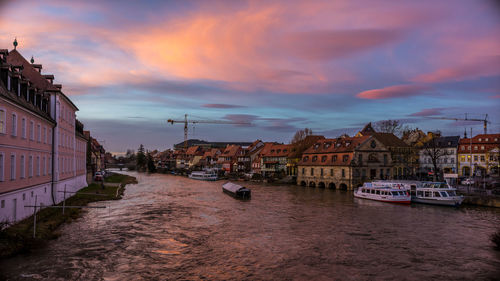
170 227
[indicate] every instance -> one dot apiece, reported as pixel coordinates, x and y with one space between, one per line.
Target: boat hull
381 199
454 202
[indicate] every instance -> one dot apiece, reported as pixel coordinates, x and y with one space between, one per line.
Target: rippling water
169 227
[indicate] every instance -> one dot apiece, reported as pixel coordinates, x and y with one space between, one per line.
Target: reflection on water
169 227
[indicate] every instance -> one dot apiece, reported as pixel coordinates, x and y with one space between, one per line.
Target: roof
389 140
30 72
338 145
483 139
231 150
366 131
443 142
276 150
211 153
326 159
193 150
301 146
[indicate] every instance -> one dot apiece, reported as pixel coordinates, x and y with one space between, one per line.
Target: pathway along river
171 227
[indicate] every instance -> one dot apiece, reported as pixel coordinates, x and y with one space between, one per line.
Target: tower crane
186 122
485 120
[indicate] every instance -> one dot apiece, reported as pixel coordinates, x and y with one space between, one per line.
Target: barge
236 191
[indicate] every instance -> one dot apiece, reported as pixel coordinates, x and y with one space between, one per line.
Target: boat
203 175
436 193
237 191
383 194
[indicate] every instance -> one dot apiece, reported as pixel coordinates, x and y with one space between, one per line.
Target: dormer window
272 150
306 158
475 147
345 158
278 151
480 139
284 150
486 139
327 145
338 144
482 147
323 158
334 158
316 146
315 158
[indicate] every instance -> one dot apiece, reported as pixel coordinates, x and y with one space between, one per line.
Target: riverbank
18 238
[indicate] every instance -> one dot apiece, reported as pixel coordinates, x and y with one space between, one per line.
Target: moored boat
203 175
383 194
436 193
237 191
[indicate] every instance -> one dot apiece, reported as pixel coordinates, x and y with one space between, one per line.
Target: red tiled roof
16 59
276 150
231 150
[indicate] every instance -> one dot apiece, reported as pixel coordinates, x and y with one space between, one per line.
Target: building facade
41 152
344 162
478 156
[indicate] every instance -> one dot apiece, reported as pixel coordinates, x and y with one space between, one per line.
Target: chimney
37 67
49 77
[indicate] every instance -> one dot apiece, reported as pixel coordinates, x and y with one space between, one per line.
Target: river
169 227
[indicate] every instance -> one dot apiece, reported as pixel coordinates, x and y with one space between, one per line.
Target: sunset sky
331 66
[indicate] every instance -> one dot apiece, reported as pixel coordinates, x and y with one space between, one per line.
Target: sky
280 66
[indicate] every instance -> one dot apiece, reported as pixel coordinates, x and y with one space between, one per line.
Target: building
479 155
296 153
274 159
229 157
42 147
439 153
344 162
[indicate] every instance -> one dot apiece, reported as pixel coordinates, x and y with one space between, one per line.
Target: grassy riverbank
18 238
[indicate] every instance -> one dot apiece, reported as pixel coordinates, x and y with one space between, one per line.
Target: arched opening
303 183
321 185
466 171
332 186
312 184
343 186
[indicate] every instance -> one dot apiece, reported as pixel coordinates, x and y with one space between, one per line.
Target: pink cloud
482 67
398 91
329 44
428 112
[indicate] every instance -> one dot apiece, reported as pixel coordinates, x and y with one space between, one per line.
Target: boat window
377 192
402 193
444 194
420 193
395 193
373 191
428 194
436 194
452 193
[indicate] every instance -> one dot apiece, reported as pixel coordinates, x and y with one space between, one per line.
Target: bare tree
391 126
300 135
434 151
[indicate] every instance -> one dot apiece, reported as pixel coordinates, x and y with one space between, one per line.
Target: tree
391 126
150 163
433 150
141 158
300 135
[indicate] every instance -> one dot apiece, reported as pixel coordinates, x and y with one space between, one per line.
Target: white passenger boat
203 175
383 194
436 193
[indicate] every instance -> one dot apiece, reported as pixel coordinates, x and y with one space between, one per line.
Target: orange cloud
398 91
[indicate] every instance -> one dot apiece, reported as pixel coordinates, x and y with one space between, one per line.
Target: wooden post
34 217
64 198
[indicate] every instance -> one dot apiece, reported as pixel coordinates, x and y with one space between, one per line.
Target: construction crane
485 120
186 122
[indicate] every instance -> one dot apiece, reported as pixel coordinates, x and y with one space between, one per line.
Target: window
2 121
44 163
475 147
24 196
345 158
331 172
462 158
312 171
334 158
314 158
23 175
482 147
360 158
303 171
475 157
44 134
12 167
39 132
323 158
30 166
38 165
343 173
14 125
385 159
32 129
321 171
482 158
50 136
50 165
1 166
23 127
2 204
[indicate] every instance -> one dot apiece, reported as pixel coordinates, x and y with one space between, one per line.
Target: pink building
41 152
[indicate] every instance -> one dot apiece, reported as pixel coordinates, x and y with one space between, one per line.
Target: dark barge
237 191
